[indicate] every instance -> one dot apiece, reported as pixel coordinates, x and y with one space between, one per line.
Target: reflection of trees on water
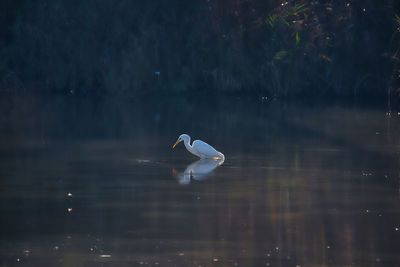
315 214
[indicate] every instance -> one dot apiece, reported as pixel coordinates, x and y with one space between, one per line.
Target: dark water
95 183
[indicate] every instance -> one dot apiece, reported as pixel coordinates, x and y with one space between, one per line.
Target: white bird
200 148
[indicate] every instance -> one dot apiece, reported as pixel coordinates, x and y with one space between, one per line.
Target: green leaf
270 20
300 8
297 38
296 10
397 18
285 21
280 55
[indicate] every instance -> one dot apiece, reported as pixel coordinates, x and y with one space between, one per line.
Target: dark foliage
293 48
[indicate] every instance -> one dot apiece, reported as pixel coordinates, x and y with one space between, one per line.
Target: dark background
94 93
337 48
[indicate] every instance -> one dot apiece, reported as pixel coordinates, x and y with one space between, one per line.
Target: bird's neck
190 147
187 145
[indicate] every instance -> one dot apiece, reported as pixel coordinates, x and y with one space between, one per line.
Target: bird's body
200 148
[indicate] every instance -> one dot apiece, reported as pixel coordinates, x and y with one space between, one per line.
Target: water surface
95 183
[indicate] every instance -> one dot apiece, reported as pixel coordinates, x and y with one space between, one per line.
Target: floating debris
325 57
105 256
69 194
396 229
69 210
215 260
181 254
56 247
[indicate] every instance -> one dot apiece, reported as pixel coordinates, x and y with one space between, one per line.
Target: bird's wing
204 149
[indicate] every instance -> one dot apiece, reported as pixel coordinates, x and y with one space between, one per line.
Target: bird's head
181 138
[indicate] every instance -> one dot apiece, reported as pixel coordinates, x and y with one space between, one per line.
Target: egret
200 148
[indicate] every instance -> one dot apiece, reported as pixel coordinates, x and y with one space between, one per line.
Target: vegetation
267 48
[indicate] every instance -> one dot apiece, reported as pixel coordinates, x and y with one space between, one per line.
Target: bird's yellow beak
175 144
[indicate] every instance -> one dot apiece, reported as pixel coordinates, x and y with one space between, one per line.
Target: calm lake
96 183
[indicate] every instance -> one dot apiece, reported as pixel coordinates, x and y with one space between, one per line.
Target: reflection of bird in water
200 148
198 170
